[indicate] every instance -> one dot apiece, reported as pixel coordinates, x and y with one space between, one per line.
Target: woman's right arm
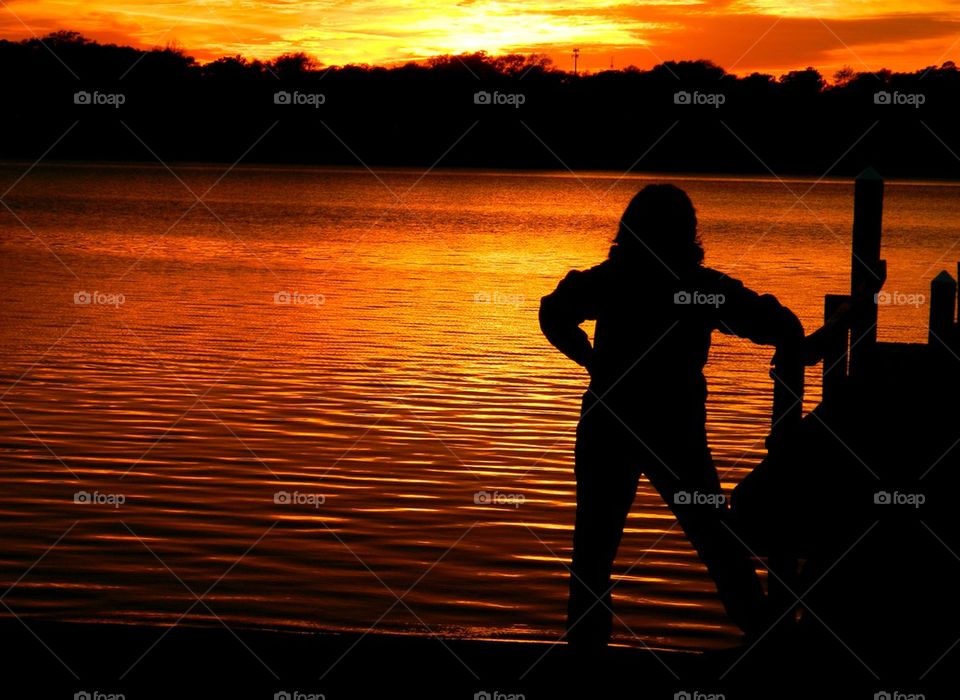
563 310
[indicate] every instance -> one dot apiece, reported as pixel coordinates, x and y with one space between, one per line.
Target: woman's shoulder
590 276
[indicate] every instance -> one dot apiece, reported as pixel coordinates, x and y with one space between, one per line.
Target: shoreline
126 662
145 661
733 175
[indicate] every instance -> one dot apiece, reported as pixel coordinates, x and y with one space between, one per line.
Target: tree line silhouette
471 110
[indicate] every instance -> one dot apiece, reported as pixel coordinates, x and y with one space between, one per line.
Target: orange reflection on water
420 381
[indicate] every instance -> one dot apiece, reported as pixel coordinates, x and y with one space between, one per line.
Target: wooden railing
847 341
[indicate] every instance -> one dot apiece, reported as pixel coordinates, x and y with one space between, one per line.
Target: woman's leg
694 495
606 486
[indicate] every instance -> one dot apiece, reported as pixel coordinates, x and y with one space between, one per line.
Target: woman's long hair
658 232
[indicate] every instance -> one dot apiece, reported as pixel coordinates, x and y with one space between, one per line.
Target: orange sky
740 35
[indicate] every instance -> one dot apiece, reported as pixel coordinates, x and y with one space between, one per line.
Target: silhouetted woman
655 307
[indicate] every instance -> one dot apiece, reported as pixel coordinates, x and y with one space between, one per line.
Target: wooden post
787 393
867 227
835 349
943 302
788 379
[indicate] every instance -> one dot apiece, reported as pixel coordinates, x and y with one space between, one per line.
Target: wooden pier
854 510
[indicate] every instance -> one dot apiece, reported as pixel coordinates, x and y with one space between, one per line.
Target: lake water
407 374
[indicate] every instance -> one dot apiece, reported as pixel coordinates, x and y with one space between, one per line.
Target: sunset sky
740 35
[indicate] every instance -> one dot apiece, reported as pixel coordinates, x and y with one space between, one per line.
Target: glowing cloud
744 35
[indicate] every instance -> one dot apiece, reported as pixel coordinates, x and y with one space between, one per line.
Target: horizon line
319 66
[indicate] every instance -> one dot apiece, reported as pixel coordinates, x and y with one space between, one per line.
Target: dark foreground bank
55 660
